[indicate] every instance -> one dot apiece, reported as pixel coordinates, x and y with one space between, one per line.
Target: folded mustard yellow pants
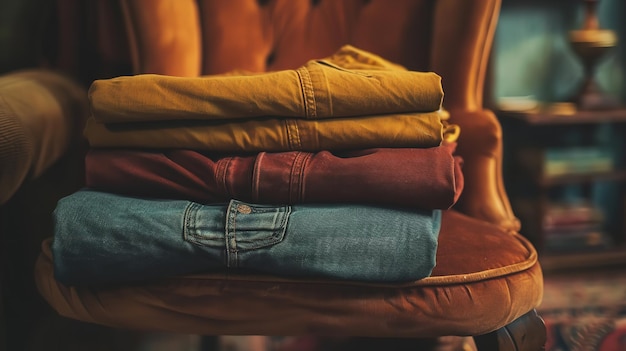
352 82
350 100
273 134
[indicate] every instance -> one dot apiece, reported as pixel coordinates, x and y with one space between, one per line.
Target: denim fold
104 238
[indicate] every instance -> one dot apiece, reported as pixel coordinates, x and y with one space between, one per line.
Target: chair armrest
480 145
164 36
41 114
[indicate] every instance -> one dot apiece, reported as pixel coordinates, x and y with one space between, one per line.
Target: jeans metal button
244 209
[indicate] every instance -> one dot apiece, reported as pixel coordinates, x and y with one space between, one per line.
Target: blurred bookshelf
565 174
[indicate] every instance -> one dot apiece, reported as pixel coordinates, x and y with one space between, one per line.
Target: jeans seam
190 228
295 177
231 236
293 134
256 176
308 92
189 222
220 174
277 232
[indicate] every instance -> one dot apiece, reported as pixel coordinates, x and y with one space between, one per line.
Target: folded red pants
427 178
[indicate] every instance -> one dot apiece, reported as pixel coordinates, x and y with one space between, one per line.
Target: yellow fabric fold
275 134
352 82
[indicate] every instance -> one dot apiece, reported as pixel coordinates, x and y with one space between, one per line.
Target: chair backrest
450 37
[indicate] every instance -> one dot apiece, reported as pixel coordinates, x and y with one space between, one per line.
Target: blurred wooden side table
535 181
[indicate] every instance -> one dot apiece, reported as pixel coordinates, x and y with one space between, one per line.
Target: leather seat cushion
485 278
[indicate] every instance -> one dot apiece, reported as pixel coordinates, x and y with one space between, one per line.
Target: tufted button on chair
487 281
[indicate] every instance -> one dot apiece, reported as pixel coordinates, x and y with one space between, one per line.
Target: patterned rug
585 311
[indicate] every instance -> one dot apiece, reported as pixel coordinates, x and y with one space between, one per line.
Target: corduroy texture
16 152
41 112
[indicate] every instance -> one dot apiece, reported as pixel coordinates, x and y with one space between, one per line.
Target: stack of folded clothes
338 169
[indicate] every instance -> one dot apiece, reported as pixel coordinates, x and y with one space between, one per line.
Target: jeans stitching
230 236
308 91
295 178
293 134
256 176
277 232
189 222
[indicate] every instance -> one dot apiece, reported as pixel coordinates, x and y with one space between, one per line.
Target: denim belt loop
230 236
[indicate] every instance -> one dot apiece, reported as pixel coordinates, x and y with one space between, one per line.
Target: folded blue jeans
106 238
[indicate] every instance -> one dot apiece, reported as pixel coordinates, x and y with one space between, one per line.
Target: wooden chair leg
527 333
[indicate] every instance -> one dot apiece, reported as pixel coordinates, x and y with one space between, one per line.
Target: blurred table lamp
590 43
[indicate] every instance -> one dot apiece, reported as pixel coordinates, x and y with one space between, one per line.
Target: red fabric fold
428 178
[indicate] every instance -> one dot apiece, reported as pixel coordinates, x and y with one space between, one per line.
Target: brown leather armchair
487 281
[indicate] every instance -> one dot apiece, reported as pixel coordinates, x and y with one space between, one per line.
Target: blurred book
554 162
576 241
577 226
561 215
518 104
528 104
